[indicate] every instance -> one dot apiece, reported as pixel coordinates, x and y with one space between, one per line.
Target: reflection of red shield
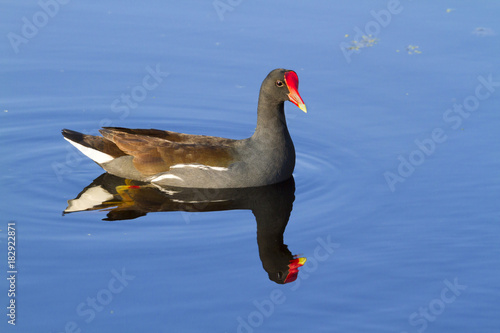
294 269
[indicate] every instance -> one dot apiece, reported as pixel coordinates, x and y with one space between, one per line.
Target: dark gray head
282 85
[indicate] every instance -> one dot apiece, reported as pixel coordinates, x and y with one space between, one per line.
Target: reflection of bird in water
271 206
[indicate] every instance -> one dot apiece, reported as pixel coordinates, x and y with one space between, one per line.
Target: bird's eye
279 83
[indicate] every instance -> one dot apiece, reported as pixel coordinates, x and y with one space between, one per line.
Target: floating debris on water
482 31
449 10
365 41
413 49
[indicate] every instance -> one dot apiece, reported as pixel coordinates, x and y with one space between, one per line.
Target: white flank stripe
167 176
93 154
91 197
198 166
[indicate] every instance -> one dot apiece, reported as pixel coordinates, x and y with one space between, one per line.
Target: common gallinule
185 160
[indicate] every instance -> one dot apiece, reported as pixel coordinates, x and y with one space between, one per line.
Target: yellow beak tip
303 107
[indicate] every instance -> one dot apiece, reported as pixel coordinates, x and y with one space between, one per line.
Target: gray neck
271 122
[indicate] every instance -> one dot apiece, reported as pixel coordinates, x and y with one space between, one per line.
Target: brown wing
172 136
155 153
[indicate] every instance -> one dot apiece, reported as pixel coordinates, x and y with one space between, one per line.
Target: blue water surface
397 178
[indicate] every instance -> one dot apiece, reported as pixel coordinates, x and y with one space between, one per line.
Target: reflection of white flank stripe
166 191
198 166
93 154
166 176
196 201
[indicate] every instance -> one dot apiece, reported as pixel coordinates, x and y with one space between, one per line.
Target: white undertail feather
95 155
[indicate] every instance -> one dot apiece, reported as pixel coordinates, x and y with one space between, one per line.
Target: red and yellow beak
292 82
293 269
